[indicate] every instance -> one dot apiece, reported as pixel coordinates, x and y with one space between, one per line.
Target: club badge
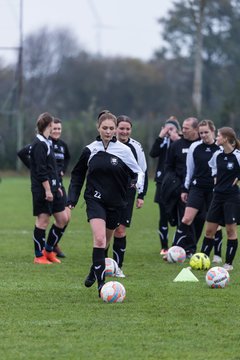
114 161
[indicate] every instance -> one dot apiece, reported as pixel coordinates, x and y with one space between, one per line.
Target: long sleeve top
107 172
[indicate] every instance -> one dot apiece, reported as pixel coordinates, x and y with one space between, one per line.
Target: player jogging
107 164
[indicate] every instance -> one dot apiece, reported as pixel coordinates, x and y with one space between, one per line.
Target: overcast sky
111 27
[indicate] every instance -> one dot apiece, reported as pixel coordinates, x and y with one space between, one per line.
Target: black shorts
97 210
199 199
42 206
126 213
224 209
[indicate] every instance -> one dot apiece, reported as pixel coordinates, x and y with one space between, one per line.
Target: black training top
61 153
176 158
226 169
198 170
159 149
108 172
43 165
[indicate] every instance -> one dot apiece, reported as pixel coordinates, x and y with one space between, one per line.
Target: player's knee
210 233
231 234
42 223
62 221
187 220
120 232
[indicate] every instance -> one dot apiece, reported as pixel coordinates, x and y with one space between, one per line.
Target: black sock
54 236
231 250
62 232
163 235
207 245
39 240
218 243
198 225
181 235
98 257
119 248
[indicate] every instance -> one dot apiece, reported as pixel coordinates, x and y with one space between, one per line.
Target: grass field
47 313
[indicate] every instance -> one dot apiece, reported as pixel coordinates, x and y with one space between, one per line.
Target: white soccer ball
111 267
176 254
112 292
217 277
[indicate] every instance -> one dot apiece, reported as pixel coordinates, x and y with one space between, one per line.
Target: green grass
47 313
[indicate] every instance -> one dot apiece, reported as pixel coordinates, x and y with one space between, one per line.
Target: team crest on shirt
114 161
230 165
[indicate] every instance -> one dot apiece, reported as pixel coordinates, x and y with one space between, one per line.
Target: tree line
199 61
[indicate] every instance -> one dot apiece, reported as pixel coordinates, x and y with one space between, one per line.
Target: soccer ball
111 267
200 261
112 292
176 254
217 277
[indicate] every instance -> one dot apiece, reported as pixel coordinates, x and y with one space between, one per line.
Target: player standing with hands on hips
62 157
107 164
46 193
225 205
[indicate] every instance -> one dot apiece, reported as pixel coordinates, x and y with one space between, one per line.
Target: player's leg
217 258
208 241
163 229
42 212
230 215
98 227
119 248
184 229
57 229
120 236
232 245
56 247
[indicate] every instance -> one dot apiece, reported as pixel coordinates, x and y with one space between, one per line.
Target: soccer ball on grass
112 292
200 261
217 277
176 254
111 267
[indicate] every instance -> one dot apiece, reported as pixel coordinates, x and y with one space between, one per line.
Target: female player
224 208
62 156
46 193
198 182
168 133
124 129
108 164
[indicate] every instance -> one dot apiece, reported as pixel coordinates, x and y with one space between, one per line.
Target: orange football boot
41 260
51 256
